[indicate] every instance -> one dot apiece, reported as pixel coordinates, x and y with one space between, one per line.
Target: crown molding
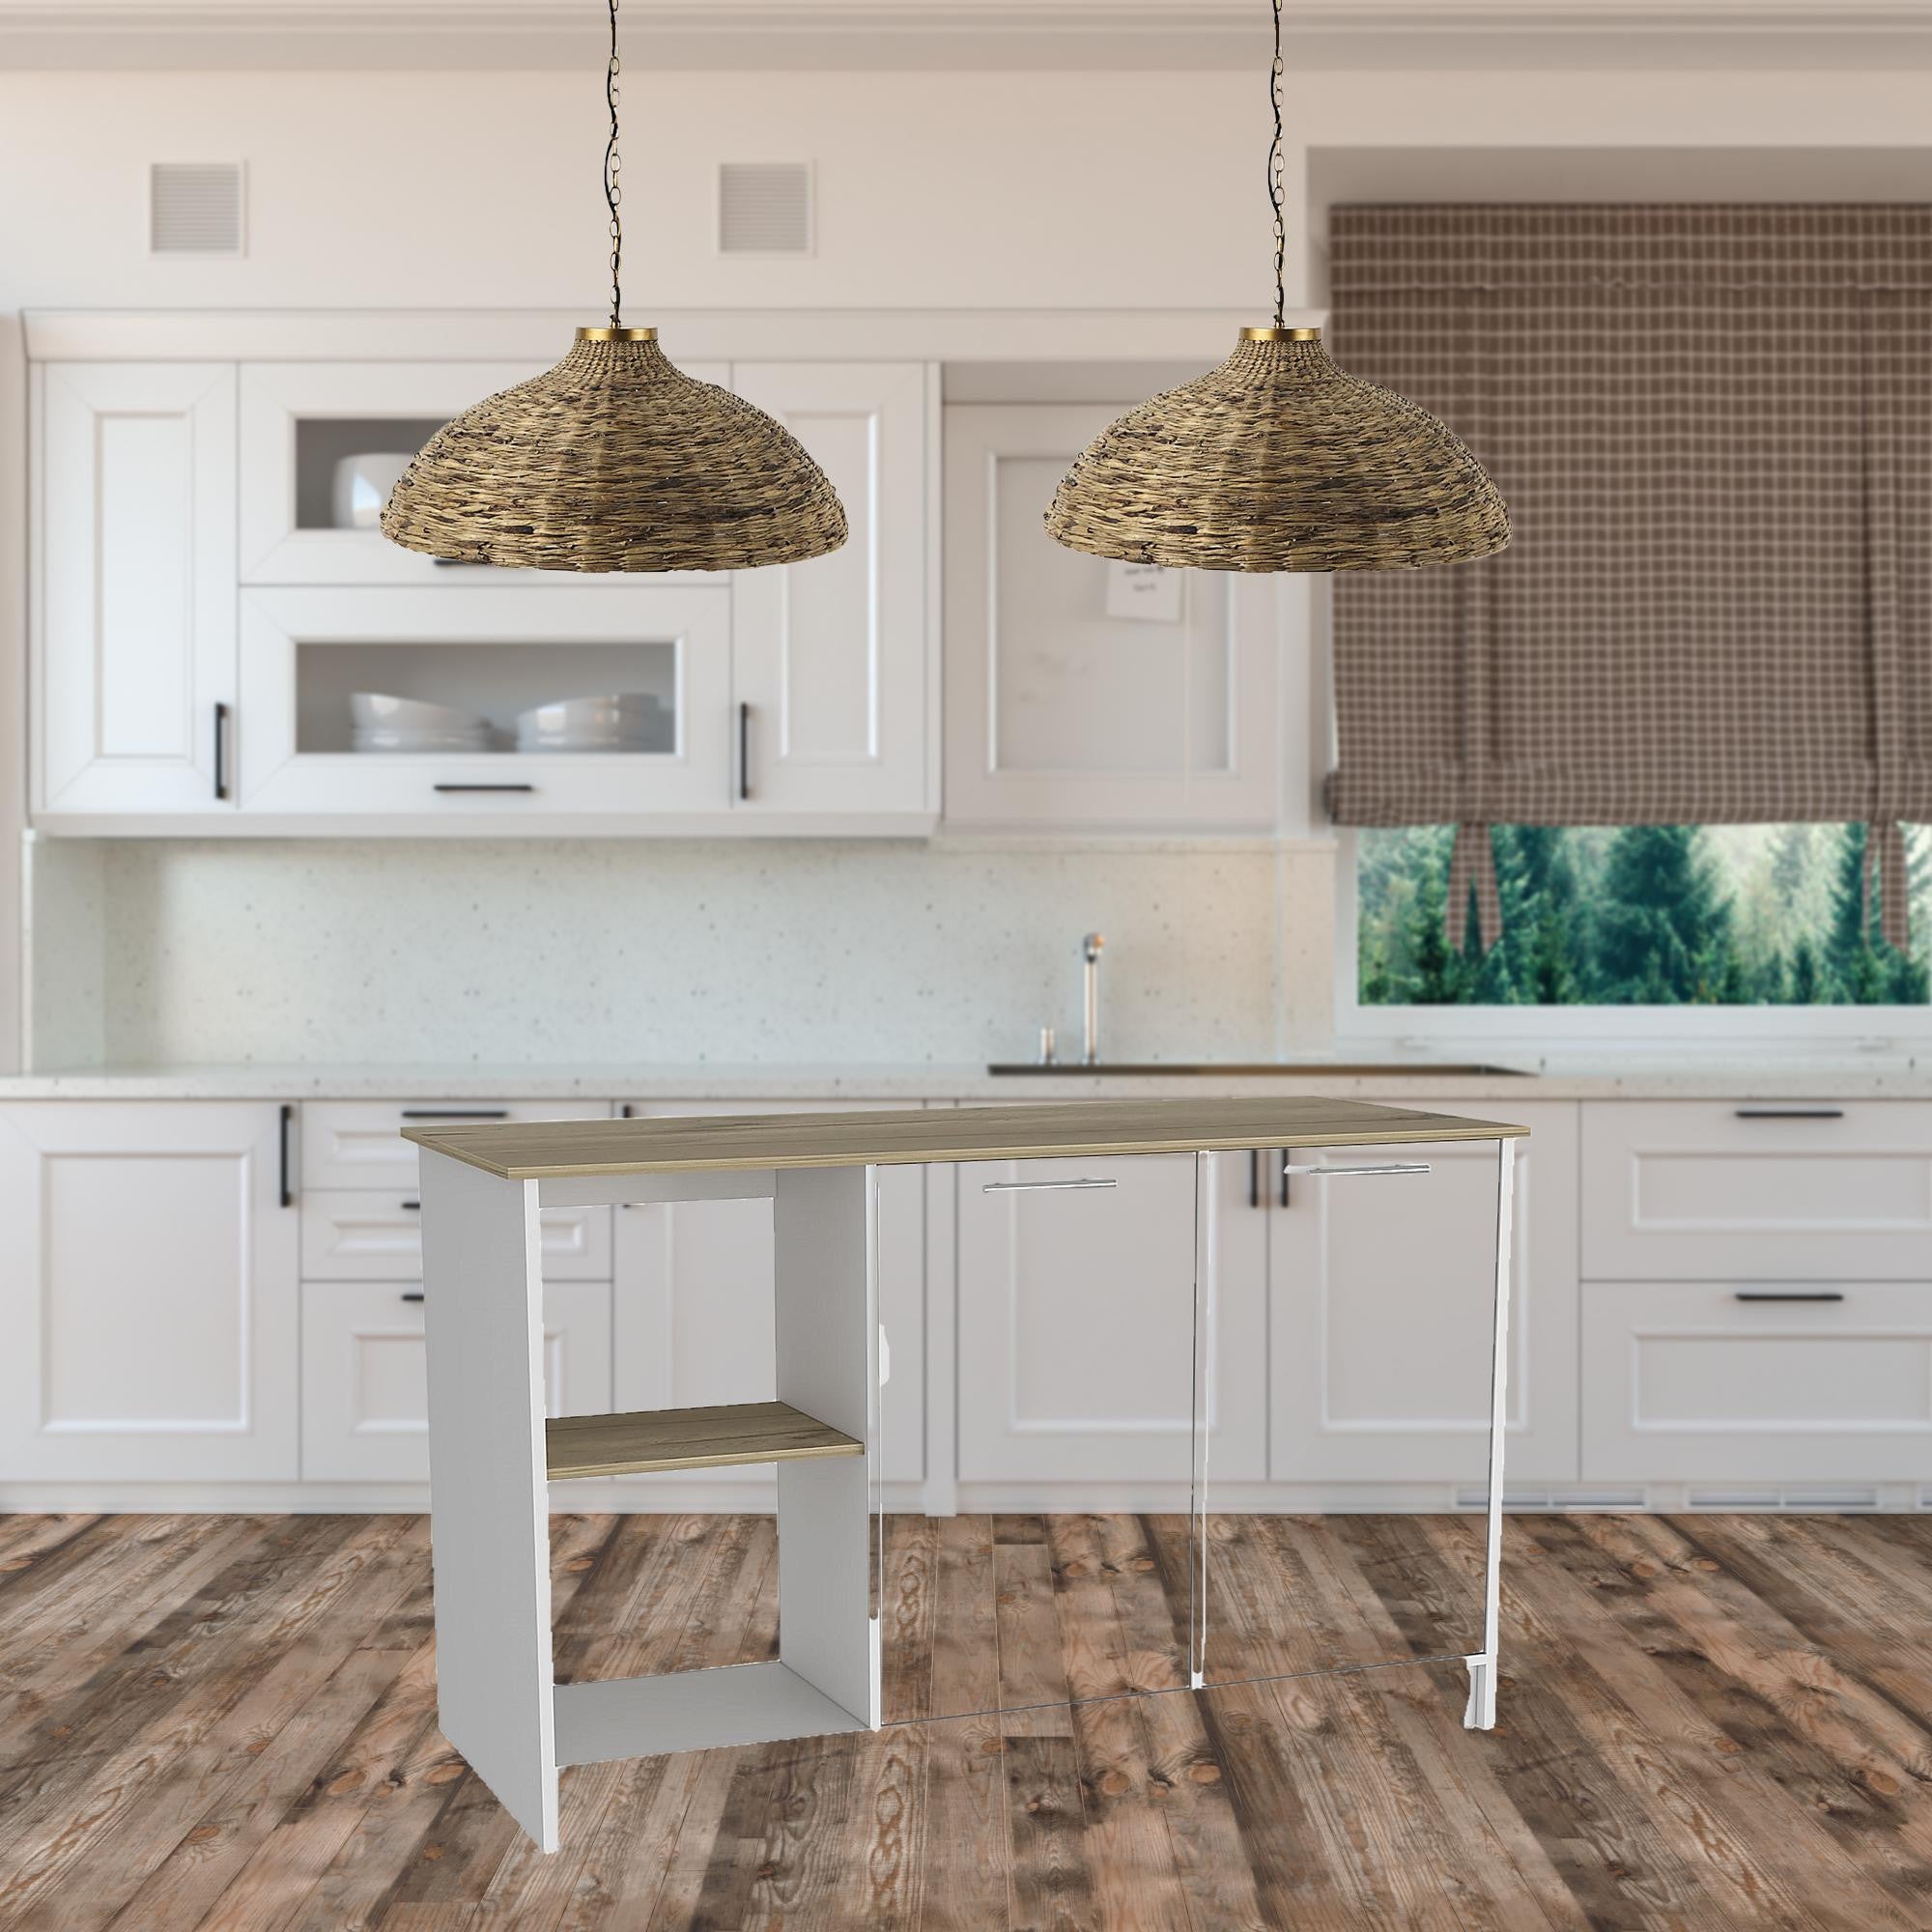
963 34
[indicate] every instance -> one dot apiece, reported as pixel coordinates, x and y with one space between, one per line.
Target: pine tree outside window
1642 916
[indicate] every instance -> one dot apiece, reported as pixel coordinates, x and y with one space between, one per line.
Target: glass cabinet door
370 704
321 443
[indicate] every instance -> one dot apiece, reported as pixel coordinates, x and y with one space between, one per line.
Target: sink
1266 1069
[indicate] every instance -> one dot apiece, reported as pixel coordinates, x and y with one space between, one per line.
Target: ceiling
965 34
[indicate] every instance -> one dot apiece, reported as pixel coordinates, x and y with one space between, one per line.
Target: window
1761 915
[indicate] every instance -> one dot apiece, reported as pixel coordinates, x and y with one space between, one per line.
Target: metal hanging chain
613 187
1275 162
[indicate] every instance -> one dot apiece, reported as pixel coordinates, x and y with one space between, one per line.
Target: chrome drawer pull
1788 1294
1045 1187
1377 1167
1788 1112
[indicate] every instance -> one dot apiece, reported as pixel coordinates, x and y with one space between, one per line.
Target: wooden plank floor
1708 1721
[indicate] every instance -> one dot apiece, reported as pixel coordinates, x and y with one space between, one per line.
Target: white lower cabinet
147 1291
364 1382
694 1319
1382 1290
1688 1381
1076 1317
206 1291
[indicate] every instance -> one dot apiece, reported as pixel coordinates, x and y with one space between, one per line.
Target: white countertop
1766 1076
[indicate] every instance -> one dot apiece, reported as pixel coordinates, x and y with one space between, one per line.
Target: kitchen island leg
825 1228
1480 1714
489 1500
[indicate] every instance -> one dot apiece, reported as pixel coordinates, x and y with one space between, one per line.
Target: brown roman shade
1712 427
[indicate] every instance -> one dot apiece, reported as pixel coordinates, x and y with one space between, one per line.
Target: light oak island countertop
548 1150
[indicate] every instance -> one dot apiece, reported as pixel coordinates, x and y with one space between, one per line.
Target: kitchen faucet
1089 953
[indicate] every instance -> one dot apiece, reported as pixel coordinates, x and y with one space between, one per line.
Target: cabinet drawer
360 1143
1694 1190
365 1382
1686 1382
378 1237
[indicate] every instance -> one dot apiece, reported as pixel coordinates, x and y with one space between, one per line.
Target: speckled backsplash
778 951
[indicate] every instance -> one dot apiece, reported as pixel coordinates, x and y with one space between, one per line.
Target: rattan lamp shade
615 460
1278 461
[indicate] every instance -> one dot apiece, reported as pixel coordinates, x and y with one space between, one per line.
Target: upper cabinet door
835 661
135 631
1081 692
310 429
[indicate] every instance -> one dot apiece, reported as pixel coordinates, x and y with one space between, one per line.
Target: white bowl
378 709
623 721
374 738
361 486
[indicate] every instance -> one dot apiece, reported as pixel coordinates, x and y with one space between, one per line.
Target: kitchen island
491 1454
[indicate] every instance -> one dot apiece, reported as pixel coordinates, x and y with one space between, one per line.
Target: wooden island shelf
687 1439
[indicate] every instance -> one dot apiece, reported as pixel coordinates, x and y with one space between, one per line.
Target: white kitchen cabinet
1060 711
1381 1288
495 653
833 659
1739 1382
1076 1320
201 620
365 1391
135 666
148 1292
692 1314
1776 1190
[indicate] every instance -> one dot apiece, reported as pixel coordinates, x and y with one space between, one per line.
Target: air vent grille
1858 1496
764 208
194 208
1519 1500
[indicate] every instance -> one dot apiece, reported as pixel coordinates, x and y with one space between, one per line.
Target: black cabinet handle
456 1113
287 1188
1789 1295
1284 1177
411 1207
1254 1176
744 752
1789 1113
626 1112
412 1294
220 750
484 787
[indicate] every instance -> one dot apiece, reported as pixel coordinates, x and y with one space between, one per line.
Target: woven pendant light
615 460
1279 461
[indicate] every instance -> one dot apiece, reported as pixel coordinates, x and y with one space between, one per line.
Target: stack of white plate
627 721
385 724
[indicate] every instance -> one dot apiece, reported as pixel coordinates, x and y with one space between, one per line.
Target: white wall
1118 189
959 191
